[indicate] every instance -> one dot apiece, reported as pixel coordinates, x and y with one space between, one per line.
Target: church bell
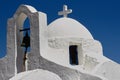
26 40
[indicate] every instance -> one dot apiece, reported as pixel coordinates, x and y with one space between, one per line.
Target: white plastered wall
58 52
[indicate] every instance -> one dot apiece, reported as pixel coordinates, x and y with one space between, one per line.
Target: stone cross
65 11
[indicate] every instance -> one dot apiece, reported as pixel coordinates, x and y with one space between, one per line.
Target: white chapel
61 50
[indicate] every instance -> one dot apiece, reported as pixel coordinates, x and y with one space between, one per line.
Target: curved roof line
26 9
68 27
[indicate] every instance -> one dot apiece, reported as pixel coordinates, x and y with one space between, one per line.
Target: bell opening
25 41
24 47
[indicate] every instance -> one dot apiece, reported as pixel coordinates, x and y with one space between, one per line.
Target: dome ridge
68 27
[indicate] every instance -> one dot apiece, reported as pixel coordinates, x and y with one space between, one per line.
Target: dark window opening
73 55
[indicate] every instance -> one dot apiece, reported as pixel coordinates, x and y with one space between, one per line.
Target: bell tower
19 39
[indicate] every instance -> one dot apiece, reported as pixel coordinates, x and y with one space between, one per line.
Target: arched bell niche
25 17
23 42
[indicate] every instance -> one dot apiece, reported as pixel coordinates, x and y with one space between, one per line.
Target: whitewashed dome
67 28
37 74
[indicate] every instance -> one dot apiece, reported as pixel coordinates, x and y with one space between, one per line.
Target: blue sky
100 17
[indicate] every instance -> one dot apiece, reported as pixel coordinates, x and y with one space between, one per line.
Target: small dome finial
65 11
